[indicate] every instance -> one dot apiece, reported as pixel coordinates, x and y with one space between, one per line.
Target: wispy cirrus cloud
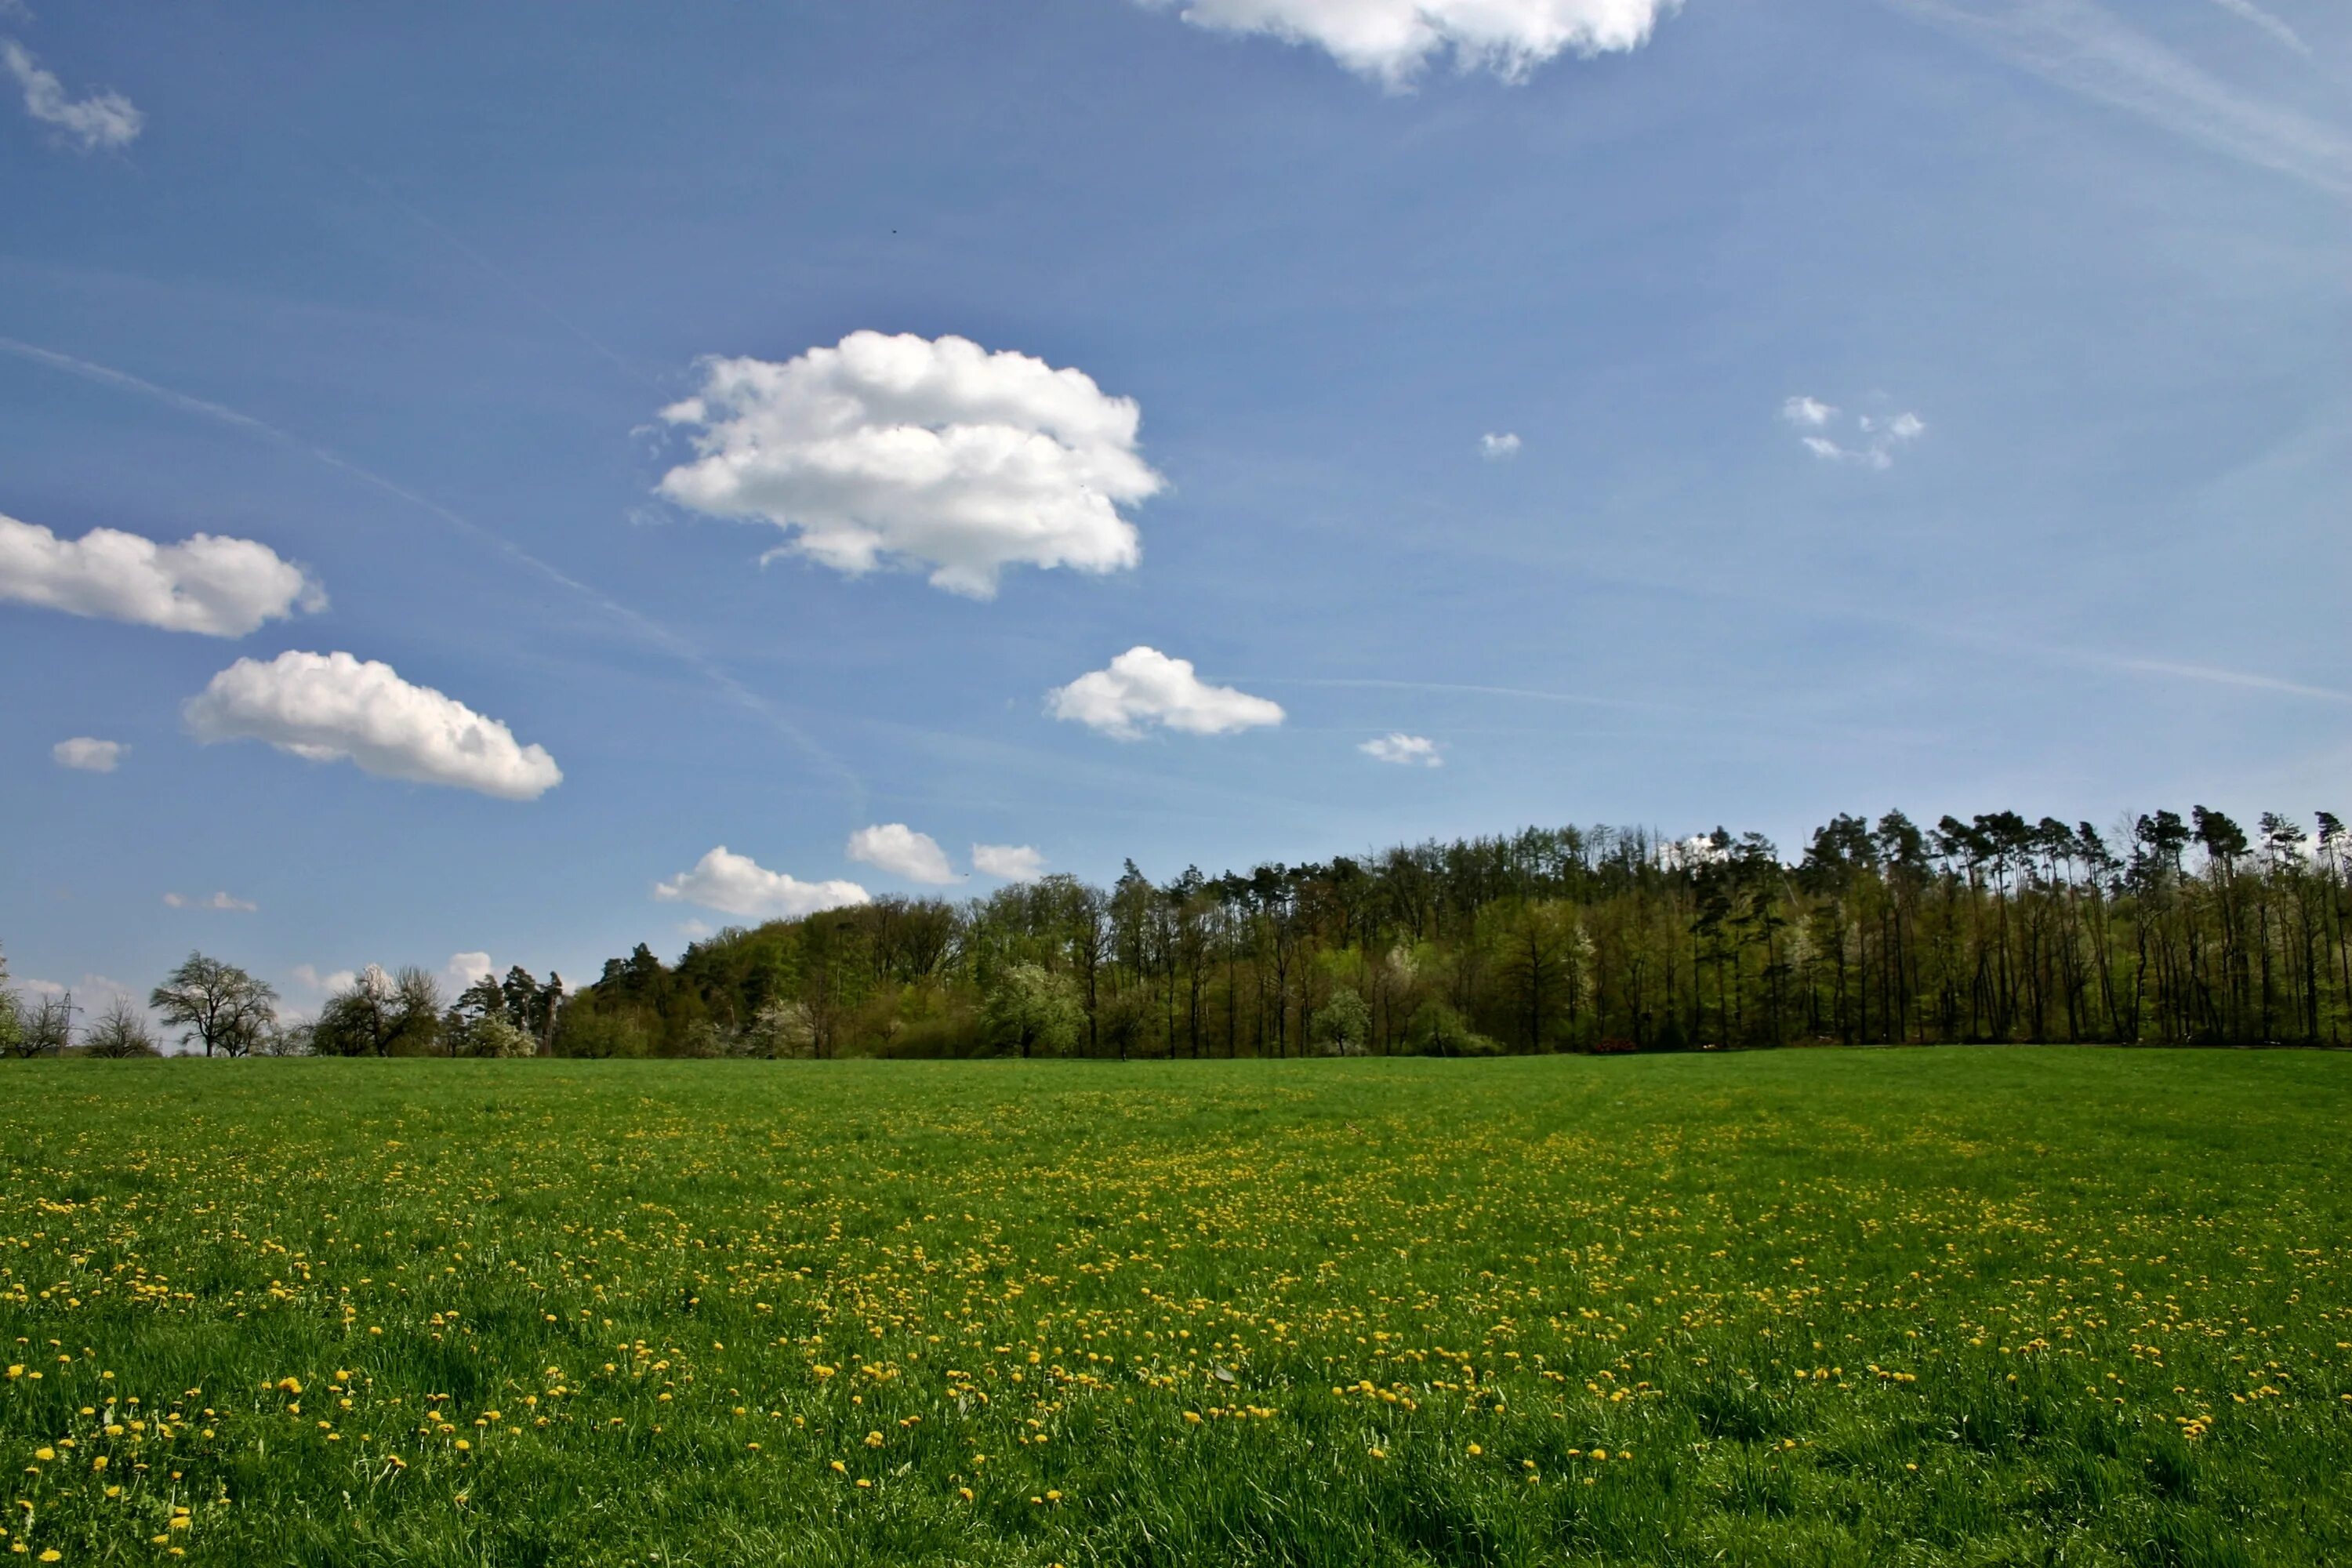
2246 10
2088 50
105 121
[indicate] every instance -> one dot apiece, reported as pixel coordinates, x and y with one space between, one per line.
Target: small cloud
738 885
309 979
694 929
213 902
87 755
204 583
332 707
466 968
894 847
1144 685
1012 862
1391 41
1404 750
1876 439
105 120
1499 448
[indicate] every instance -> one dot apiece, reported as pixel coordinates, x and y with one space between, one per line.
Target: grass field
1817 1307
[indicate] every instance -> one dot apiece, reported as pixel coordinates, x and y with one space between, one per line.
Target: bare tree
120 1031
47 1030
230 1011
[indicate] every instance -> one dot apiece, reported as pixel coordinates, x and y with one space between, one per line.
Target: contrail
1575 698
2248 11
513 284
2087 50
643 626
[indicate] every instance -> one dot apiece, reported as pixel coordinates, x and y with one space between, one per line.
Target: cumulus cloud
1403 750
332 707
1873 440
894 847
1144 685
906 450
738 885
1499 448
1012 862
1391 41
308 978
220 587
102 119
216 902
90 756
464 968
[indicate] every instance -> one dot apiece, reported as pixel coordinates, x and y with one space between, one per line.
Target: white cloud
901 449
220 587
464 968
335 708
1144 685
1012 862
1499 448
1405 751
1878 437
102 120
894 847
308 978
93 993
216 902
90 756
1391 40
738 885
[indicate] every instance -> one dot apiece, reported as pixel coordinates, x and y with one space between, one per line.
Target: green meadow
1925 1306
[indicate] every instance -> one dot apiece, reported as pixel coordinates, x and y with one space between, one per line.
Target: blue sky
402 296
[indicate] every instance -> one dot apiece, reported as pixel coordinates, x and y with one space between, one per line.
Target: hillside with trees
2165 931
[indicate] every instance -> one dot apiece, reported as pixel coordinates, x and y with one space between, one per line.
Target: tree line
2164 930
218 1009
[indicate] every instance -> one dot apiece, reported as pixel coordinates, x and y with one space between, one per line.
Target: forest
2164 929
